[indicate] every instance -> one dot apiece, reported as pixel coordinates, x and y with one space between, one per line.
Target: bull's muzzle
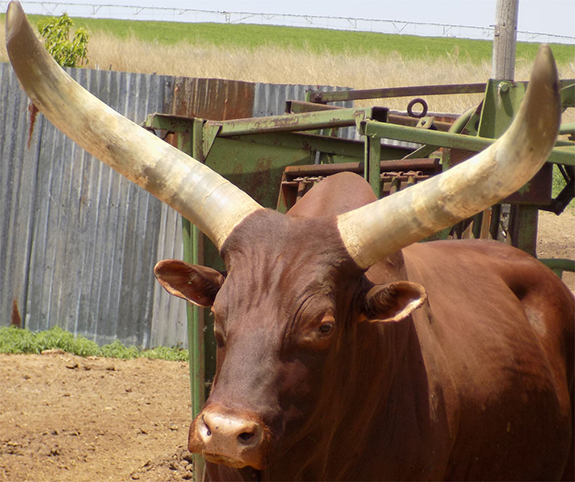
233 439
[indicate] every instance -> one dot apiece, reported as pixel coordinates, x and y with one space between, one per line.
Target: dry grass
272 64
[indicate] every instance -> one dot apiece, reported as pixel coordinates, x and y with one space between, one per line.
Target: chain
403 176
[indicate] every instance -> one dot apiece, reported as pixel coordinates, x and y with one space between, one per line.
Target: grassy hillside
287 55
313 40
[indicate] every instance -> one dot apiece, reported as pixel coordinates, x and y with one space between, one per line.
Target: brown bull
345 351
327 372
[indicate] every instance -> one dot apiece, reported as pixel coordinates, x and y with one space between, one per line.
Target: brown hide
472 386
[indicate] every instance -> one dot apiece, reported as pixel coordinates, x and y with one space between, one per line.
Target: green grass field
314 40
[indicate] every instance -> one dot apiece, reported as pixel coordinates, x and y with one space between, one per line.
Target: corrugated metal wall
77 241
77 238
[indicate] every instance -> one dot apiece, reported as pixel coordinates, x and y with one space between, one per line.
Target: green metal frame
254 153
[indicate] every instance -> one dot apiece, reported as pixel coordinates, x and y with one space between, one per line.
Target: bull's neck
374 366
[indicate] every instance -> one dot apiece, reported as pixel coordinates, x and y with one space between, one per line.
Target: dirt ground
65 418
70 419
556 239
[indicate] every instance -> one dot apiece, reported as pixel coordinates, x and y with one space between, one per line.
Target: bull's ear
196 284
392 302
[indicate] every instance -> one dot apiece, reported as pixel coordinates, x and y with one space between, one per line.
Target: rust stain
33 112
16 319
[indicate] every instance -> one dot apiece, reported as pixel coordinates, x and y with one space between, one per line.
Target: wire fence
190 15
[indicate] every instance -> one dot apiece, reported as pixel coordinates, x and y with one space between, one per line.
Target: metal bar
423 151
344 95
477 225
295 122
568 93
198 328
559 155
191 143
424 136
357 167
373 156
395 183
565 129
485 224
524 228
405 120
563 155
559 265
300 107
260 125
197 142
169 122
195 320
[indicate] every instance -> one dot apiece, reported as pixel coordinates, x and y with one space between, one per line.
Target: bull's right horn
204 197
373 232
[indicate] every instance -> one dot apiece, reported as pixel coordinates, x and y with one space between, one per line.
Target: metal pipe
344 95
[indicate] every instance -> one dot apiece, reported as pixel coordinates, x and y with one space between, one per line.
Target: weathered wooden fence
77 241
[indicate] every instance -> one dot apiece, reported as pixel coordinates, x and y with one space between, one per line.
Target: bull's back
334 195
501 325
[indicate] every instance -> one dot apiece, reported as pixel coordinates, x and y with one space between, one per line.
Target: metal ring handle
414 102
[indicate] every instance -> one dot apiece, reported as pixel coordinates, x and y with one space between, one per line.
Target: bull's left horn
204 197
373 232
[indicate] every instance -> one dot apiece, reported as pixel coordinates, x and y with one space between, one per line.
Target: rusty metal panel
213 99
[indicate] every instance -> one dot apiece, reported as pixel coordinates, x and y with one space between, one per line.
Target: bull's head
295 291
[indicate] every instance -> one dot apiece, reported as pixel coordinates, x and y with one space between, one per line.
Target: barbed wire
191 15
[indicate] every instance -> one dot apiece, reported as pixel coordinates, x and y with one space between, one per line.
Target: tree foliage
56 34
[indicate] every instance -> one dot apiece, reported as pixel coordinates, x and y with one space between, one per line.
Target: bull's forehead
281 260
283 240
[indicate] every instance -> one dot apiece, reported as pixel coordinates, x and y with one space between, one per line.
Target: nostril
245 437
208 430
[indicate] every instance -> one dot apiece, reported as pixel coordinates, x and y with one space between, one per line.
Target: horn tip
544 67
543 90
14 16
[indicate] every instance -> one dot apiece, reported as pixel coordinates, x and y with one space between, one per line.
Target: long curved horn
204 197
373 232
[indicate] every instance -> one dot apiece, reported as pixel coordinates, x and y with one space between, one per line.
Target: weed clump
16 340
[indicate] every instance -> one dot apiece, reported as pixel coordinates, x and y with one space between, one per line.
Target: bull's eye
325 328
327 324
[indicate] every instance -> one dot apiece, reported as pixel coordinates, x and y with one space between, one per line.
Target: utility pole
504 40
